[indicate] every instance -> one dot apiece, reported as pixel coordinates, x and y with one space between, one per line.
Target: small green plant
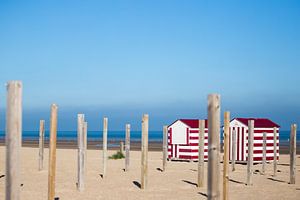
118 155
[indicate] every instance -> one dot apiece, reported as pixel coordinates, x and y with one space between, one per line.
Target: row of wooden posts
14 139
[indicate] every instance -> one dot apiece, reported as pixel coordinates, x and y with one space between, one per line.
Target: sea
154 136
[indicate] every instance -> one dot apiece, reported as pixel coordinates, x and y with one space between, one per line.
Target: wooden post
213 187
105 124
85 128
41 144
165 147
201 153
144 163
264 153
13 139
293 154
275 151
52 152
226 155
233 149
127 147
80 151
250 151
122 147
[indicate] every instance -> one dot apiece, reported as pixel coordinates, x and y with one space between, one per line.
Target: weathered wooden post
81 151
293 154
226 155
213 187
201 153
127 147
105 124
250 151
165 147
122 147
233 148
144 163
41 144
85 128
52 152
13 139
264 153
275 151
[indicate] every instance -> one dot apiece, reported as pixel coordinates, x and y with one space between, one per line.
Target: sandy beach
177 182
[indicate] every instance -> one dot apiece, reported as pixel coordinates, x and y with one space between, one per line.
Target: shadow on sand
189 182
137 184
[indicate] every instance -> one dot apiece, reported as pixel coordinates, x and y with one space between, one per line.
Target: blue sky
124 58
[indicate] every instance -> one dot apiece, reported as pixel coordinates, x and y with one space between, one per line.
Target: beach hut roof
192 123
258 122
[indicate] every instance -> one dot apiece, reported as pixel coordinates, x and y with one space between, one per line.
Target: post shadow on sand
1 176
101 175
239 182
203 194
159 169
277 180
189 182
136 183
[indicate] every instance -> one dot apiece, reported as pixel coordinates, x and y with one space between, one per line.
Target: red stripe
238 143
196 144
267 158
197 138
187 136
172 151
243 143
261 151
175 150
191 150
261 131
196 131
261 144
190 157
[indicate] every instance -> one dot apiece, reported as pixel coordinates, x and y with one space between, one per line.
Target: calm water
154 136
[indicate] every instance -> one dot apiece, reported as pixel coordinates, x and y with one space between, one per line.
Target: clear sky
121 59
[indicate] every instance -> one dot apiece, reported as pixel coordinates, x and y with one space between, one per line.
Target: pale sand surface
177 182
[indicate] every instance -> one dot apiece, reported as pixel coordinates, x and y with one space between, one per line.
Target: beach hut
239 126
183 139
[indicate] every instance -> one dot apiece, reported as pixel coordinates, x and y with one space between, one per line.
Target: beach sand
177 182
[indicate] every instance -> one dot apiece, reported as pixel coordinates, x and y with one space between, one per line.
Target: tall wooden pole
85 128
201 153
41 144
80 151
293 154
52 152
213 187
127 147
233 149
165 146
122 147
144 163
226 155
250 151
105 124
264 153
275 151
13 139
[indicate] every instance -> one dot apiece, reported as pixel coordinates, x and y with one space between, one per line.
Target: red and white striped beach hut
183 139
261 125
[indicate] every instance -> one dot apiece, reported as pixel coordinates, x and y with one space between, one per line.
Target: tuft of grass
118 155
